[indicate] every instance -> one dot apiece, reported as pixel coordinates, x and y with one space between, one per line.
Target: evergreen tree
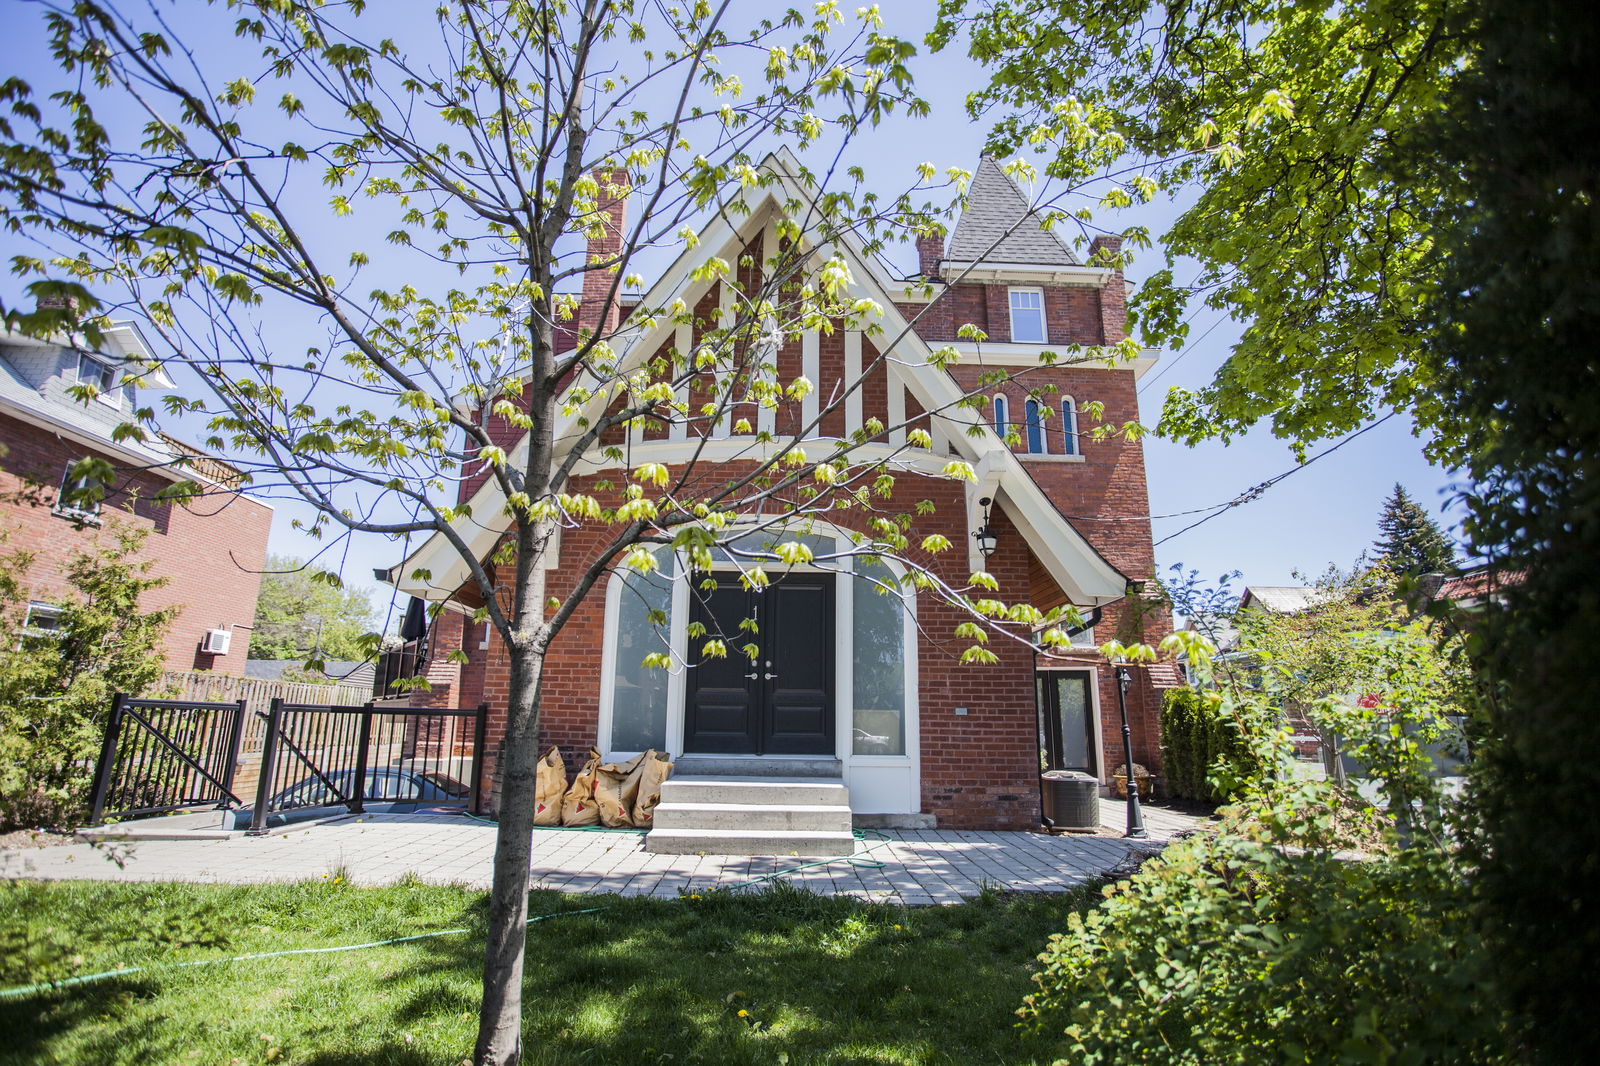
1412 542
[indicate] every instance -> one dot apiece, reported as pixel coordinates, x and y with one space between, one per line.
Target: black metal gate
166 755
315 755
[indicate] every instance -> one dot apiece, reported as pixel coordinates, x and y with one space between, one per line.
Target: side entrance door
781 701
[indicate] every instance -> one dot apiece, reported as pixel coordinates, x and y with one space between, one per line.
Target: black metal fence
166 755
315 755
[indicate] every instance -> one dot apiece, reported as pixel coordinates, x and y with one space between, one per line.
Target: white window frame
1000 415
88 511
1070 444
1011 304
1033 428
105 379
39 610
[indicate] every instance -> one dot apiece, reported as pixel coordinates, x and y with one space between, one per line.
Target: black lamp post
1135 815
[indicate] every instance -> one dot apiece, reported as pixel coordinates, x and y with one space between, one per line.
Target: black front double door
779 702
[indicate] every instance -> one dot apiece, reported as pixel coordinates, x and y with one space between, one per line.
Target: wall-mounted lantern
987 541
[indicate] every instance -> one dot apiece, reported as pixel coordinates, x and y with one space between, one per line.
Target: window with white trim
1027 316
1035 424
103 377
42 620
70 498
1069 427
1002 425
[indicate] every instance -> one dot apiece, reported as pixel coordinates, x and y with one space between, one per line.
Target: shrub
55 690
1195 735
1227 949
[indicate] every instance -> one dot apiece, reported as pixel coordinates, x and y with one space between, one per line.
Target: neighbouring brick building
211 550
857 680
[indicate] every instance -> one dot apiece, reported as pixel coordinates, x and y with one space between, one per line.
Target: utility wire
1255 492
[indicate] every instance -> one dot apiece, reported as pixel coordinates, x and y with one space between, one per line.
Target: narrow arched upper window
1035 428
1069 427
1002 425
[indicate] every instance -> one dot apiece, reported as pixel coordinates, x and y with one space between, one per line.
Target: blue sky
1324 513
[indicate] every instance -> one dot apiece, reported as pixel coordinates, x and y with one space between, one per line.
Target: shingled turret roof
995 205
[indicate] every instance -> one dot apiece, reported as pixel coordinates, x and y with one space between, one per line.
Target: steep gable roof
1070 560
996 226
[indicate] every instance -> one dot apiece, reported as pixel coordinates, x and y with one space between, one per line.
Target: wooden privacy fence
257 694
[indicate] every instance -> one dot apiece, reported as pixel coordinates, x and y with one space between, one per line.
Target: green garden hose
860 861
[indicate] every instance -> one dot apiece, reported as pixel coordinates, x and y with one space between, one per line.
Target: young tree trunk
500 1017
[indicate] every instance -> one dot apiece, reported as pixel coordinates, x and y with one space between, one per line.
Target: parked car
387 790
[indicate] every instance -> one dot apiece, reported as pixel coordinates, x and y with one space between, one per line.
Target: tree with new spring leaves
1297 128
367 242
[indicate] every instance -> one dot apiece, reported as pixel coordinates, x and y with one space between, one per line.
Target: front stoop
807 816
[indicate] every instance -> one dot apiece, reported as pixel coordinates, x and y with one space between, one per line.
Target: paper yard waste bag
655 770
548 787
578 808
615 789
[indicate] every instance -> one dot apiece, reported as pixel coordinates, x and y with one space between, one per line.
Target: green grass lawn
643 982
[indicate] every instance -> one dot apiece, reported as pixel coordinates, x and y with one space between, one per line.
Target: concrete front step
756 791
777 766
749 842
742 815
812 817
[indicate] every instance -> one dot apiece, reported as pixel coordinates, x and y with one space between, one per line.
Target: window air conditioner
217 641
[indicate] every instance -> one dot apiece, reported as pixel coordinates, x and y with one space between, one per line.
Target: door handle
761 677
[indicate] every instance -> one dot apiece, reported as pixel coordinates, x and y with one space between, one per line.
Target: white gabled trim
1082 574
897 404
955 272
1001 353
811 368
853 416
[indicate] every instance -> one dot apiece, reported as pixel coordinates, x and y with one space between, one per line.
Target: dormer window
1027 316
103 377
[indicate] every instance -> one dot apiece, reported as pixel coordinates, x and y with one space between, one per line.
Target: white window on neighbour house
72 498
103 377
42 620
1027 316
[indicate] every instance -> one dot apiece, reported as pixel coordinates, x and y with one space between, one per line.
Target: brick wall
212 551
978 769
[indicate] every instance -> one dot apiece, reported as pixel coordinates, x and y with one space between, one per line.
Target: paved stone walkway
919 867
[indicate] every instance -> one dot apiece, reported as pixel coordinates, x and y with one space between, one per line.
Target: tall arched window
1035 428
1069 427
1002 424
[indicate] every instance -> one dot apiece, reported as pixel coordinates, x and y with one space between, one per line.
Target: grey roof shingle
995 204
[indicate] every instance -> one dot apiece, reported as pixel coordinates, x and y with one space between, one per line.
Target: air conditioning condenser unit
217 641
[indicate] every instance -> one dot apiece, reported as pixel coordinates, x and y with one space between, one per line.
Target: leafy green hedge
1231 950
1194 735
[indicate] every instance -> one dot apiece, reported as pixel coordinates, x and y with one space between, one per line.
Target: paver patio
918 867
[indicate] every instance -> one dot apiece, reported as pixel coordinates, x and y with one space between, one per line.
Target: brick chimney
1114 295
594 313
930 251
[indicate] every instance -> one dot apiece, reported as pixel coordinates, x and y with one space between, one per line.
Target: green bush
55 690
1195 734
1228 949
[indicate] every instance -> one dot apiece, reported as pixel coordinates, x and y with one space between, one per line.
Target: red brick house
210 550
859 685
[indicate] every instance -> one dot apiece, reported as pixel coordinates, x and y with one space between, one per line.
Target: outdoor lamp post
1136 828
987 541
